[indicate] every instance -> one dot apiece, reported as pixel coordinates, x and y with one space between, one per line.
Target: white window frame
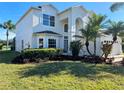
52 44
49 21
39 42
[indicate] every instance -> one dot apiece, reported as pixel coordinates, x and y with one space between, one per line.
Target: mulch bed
88 59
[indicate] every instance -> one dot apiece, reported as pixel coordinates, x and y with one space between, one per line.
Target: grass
58 75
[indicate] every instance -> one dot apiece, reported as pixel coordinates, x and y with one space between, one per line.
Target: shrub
41 53
75 47
31 55
93 59
12 44
1 45
106 50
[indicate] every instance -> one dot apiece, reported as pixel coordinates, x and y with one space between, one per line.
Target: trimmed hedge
29 55
41 53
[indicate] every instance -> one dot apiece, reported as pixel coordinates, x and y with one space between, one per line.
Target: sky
14 11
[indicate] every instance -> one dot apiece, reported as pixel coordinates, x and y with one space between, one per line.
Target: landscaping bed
89 59
51 54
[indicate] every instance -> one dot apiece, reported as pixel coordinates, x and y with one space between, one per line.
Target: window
40 43
52 21
48 20
45 19
66 28
65 44
52 43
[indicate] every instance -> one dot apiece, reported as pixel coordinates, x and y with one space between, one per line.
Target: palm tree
8 26
97 23
87 34
115 6
92 30
115 28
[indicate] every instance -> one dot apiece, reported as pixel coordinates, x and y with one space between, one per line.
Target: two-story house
45 27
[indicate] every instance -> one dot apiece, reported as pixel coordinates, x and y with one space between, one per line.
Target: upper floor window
48 20
52 21
66 28
45 19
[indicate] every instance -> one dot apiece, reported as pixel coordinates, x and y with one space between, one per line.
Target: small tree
96 21
8 26
75 47
106 50
87 34
91 31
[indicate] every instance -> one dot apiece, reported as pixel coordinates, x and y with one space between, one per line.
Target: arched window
79 24
66 28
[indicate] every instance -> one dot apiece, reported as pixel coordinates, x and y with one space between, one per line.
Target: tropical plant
8 26
116 6
115 28
75 47
106 48
87 34
96 21
92 30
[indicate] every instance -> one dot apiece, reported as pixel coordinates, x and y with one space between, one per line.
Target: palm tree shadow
76 69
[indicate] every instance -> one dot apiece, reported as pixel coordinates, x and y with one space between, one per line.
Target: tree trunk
87 47
114 39
7 41
94 47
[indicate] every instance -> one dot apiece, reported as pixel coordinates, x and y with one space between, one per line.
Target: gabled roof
27 13
50 5
35 8
73 7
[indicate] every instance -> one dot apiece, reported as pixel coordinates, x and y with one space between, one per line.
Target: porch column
45 43
72 27
37 41
71 30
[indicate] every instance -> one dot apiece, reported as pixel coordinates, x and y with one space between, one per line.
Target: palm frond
1 26
115 28
78 36
116 6
8 25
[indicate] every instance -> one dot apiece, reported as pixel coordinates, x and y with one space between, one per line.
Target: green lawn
61 75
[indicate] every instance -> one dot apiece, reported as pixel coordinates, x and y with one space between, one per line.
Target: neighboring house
45 27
